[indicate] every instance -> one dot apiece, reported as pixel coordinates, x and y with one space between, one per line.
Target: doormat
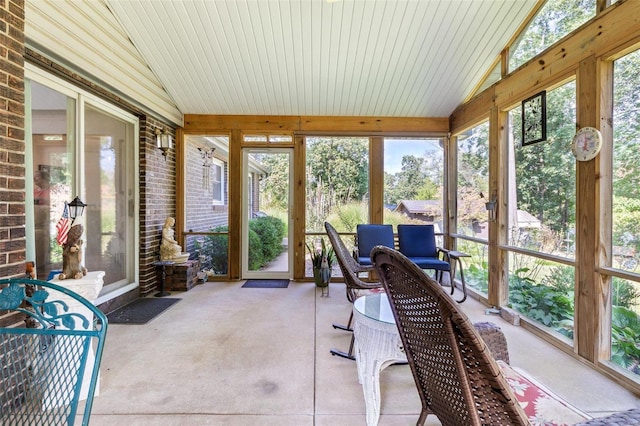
140 311
266 284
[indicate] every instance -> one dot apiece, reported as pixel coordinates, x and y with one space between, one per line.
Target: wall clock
586 143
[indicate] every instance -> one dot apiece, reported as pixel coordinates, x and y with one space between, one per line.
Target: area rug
266 284
140 311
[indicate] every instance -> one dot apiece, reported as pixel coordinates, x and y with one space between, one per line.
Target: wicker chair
354 285
457 378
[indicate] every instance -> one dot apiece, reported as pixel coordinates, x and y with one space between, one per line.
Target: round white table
377 345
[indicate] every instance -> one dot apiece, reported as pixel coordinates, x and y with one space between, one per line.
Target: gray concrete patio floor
226 355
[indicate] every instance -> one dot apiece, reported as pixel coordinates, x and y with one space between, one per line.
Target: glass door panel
53 149
266 219
109 194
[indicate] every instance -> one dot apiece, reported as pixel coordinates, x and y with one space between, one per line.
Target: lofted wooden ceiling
395 58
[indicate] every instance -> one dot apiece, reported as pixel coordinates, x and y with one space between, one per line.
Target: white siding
88 36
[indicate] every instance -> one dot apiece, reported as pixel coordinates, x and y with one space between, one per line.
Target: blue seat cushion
430 263
417 240
371 235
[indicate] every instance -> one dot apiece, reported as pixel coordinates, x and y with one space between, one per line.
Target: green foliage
346 217
626 167
625 294
337 174
269 231
477 275
550 306
318 255
545 171
626 224
216 247
256 254
419 179
274 187
555 19
625 338
265 244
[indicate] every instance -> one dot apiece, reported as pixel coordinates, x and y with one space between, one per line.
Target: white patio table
377 345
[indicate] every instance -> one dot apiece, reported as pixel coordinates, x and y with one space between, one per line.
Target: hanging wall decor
207 155
534 119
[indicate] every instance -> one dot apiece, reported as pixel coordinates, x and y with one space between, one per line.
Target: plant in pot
322 259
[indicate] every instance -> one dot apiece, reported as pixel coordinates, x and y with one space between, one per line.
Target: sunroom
352 125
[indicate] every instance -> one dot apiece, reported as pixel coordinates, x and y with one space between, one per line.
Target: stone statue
169 248
72 255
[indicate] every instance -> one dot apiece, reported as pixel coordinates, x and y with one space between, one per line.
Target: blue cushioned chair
418 243
369 236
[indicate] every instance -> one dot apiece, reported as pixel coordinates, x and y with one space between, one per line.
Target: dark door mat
266 284
140 311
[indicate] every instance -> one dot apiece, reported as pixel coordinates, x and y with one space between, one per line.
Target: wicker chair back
457 378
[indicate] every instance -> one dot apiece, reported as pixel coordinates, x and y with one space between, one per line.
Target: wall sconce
207 155
491 209
76 208
164 141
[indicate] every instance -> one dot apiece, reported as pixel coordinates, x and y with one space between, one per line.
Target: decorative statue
72 255
169 248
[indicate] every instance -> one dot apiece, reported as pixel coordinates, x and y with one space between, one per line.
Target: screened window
337 183
554 20
473 182
542 180
625 298
541 217
413 181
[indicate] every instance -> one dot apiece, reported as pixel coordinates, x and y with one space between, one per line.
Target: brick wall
12 147
201 213
12 182
157 201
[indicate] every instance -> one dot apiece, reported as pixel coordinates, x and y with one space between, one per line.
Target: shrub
217 248
270 232
256 256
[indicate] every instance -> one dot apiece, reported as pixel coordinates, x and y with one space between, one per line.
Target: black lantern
76 208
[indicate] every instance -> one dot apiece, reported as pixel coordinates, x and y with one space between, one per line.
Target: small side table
454 262
163 264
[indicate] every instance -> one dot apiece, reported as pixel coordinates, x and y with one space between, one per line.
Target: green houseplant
320 276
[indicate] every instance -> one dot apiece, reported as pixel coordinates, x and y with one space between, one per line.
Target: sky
395 149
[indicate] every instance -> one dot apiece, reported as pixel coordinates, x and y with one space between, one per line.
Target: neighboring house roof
429 207
527 220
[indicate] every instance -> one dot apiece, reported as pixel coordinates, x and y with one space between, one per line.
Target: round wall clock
586 143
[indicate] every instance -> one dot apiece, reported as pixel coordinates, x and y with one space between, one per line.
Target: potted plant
321 273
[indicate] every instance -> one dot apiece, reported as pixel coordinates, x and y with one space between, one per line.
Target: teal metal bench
51 344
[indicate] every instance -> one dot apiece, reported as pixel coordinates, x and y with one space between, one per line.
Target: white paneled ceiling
402 58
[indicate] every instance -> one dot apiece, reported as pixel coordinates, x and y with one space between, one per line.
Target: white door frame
265 274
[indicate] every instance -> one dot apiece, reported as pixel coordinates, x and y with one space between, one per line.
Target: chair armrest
364 268
444 252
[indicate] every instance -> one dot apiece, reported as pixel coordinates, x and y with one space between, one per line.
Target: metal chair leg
345 327
348 355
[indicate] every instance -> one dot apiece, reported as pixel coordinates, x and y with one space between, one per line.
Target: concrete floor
226 355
